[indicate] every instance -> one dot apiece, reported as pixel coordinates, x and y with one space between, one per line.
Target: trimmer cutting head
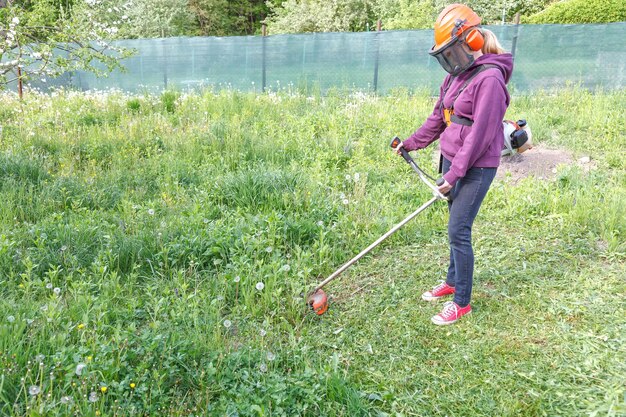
318 302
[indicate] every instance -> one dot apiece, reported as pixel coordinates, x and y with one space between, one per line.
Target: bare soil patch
539 162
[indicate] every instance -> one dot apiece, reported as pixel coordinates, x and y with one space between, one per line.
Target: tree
40 39
247 15
293 16
212 16
493 11
577 11
159 19
407 14
230 17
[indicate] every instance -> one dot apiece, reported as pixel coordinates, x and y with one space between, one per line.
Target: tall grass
155 252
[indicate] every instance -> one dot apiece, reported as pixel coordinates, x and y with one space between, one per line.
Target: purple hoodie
484 101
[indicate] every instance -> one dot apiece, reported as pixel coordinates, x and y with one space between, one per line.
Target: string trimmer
318 300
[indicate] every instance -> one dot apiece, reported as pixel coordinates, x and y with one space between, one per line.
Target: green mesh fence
546 56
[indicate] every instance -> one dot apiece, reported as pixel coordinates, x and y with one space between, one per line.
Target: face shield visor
455 56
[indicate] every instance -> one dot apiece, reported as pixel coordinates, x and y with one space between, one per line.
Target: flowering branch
76 41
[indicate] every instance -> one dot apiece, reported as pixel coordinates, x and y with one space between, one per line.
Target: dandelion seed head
346 201
93 397
259 286
269 249
66 399
357 177
49 285
79 368
57 291
320 223
11 319
63 248
228 323
286 268
262 332
348 177
237 278
270 356
34 390
39 358
263 367
151 212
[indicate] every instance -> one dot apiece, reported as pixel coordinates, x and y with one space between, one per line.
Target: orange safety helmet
455 20
456 26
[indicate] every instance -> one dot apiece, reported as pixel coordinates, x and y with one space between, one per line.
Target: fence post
514 44
264 32
20 84
378 29
166 62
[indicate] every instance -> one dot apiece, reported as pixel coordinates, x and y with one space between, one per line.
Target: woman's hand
400 146
445 187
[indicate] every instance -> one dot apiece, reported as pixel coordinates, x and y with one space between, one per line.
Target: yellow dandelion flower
97 412
103 389
89 358
81 326
132 385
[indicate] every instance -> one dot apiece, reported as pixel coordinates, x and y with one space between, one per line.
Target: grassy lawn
155 252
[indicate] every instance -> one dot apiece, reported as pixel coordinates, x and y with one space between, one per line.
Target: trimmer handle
405 154
440 182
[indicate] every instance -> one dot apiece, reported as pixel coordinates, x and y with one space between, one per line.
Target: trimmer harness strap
448 114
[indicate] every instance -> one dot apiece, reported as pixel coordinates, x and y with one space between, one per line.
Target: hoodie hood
502 61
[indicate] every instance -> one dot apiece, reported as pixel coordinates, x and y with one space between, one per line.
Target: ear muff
474 39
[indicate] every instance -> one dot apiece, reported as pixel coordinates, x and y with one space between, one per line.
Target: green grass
135 233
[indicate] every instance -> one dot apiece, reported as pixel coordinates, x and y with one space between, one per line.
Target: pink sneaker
437 292
451 313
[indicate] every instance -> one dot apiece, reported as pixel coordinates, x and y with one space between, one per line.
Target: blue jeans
467 195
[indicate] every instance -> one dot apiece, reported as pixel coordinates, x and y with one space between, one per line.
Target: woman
468 120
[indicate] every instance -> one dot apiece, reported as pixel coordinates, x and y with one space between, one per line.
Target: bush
581 11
